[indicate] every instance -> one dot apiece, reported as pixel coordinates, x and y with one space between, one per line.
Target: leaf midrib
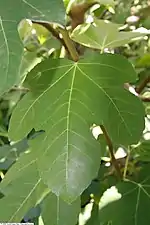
68 119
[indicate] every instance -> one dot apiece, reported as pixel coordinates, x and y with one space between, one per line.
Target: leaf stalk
69 44
111 151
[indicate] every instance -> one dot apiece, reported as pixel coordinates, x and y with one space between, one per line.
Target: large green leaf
57 212
65 99
23 189
102 34
11 49
129 203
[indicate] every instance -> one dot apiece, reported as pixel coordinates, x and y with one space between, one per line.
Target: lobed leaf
65 99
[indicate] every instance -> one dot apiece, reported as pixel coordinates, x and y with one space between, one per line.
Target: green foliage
74 132
23 189
12 52
67 84
36 37
71 113
128 202
90 35
58 212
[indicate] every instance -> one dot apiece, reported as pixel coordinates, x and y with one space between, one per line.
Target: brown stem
110 146
77 13
23 89
143 84
143 98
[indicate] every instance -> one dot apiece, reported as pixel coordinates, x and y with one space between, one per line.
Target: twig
110 146
126 166
143 98
20 89
78 11
143 84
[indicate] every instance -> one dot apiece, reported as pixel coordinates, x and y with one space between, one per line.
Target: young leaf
65 99
11 55
56 211
132 203
102 34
